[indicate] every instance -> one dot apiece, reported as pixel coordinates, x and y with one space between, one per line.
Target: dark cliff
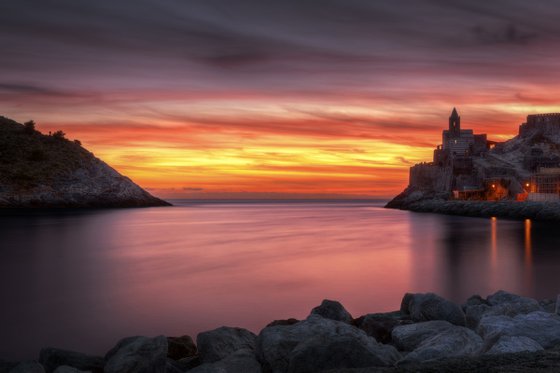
39 170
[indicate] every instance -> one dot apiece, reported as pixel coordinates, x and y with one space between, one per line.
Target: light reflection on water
82 280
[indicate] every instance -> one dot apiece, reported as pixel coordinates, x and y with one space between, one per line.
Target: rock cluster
426 332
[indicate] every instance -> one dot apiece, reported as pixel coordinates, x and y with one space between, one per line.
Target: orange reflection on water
528 250
494 243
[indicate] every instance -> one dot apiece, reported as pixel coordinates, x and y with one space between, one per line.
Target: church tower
455 124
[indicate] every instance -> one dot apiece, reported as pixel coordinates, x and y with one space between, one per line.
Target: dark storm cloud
264 45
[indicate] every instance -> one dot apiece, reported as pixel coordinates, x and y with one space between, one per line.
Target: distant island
470 175
50 171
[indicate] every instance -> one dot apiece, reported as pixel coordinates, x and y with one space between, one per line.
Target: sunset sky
261 98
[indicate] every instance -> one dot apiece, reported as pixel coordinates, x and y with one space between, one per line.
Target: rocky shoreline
503 332
549 211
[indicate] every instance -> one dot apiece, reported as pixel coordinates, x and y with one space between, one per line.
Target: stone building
455 141
548 124
458 143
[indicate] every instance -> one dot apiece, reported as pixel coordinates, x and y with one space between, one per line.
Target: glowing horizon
253 99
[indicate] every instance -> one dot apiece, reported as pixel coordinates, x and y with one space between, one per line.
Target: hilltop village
468 167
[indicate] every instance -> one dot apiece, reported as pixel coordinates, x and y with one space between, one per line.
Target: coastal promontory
50 171
473 176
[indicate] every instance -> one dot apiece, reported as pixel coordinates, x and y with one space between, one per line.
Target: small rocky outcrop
47 171
138 354
217 344
429 306
331 309
52 358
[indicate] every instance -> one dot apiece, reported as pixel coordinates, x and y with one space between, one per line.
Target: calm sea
83 279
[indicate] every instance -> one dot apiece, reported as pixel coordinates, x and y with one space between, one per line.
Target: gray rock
180 347
215 345
28 367
6 366
509 344
241 361
380 326
185 363
504 303
452 342
499 303
548 305
325 352
290 321
68 369
172 366
138 354
543 327
51 358
474 300
276 344
429 306
331 309
474 313
409 337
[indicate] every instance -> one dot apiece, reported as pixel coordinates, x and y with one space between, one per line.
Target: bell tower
455 124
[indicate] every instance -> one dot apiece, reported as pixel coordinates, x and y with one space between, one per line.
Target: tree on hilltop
29 127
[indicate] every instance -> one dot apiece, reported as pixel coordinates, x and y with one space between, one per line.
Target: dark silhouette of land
38 170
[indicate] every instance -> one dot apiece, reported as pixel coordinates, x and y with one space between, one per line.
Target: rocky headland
503 332
50 171
501 209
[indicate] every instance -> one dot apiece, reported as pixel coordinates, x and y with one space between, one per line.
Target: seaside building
466 166
545 185
458 144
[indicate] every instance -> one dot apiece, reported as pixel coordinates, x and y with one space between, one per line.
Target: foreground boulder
241 361
28 367
325 352
510 344
217 344
138 354
52 358
330 309
429 306
380 325
451 342
409 337
180 347
311 344
542 327
499 303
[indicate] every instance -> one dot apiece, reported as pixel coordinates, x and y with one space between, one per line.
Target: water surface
83 279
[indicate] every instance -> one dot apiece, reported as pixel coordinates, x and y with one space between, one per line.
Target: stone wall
430 177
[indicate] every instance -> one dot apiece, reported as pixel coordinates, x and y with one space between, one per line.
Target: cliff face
37 170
